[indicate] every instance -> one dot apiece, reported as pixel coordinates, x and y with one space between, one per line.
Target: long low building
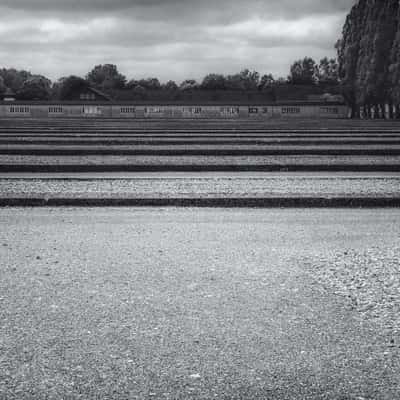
303 109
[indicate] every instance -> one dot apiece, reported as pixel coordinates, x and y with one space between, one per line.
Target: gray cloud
168 38
277 7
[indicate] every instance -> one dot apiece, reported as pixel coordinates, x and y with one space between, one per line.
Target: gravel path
247 186
196 304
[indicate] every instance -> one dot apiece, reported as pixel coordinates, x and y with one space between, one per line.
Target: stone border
275 202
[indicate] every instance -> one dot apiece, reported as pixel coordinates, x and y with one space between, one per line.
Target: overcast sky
169 39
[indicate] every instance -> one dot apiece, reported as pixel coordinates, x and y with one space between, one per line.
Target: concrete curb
276 202
63 168
198 152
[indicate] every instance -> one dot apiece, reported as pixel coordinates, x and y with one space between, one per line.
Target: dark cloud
181 9
168 38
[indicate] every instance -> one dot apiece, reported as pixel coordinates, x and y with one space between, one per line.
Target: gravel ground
196 304
369 279
199 160
211 187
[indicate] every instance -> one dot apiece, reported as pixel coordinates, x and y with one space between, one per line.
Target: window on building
253 110
20 110
92 110
128 110
229 110
291 110
330 110
55 110
153 110
192 110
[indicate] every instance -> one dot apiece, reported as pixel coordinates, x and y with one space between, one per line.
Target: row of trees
369 58
24 84
302 72
108 79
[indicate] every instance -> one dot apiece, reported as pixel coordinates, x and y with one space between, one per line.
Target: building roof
100 93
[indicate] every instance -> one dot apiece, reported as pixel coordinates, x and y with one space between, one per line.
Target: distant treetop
107 79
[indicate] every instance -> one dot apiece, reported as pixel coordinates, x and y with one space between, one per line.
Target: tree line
369 59
107 78
366 72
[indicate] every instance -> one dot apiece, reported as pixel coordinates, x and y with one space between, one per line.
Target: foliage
35 88
150 84
266 81
2 85
14 79
170 86
189 85
303 72
68 87
214 82
106 77
368 54
393 78
244 80
146 84
139 92
328 72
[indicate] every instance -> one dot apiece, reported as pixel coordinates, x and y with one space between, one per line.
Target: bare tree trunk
380 111
391 113
366 111
353 111
374 111
383 111
397 111
369 111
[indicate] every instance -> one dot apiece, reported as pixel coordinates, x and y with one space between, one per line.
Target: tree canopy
35 88
14 79
106 77
2 85
69 86
368 54
303 72
214 82
328 72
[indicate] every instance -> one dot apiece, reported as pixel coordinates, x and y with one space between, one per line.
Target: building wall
173 111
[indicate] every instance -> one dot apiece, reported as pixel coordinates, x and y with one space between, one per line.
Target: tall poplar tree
393 78
368 55
383 22
349 52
